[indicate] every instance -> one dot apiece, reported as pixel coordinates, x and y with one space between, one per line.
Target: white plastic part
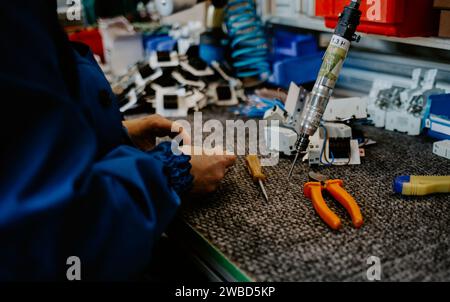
276 114
286 139
180 79
181 111
345 109
404 122
334 130
198 73
292 98
141 82
377 116
442 149
132 101
155 64
196 100
396 116
233 81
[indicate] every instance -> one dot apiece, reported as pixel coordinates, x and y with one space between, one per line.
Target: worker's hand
144 131
208 170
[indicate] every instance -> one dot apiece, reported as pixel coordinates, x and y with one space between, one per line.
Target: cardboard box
444 28
442 4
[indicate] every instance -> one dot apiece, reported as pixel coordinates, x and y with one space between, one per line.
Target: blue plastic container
298 70
288 45
159 43
212 46
296 58
439 116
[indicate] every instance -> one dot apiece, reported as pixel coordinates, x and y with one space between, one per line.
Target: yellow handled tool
421 185
255 169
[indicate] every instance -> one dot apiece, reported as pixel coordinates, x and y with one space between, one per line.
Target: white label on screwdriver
340 42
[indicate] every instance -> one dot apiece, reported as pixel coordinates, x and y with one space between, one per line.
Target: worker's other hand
208 170
144 131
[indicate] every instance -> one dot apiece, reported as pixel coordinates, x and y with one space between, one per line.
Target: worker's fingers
226 160
180 131
229 160
164 127
191 150
162 124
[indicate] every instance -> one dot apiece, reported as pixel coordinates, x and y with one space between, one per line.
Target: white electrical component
336 130
410 119
442 149
375 110
171 103
408 116
280 139
187 35
403 122
132 101
340 135
146 75
377 116
385 96
292 99
196 100
179 77
402 109
223 95
314 151
228 93
233 81
207 71
285 131
320 153
355 155
164 59
295 102
339 110
276 114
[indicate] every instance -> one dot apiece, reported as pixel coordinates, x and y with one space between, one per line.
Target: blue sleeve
62 192
57 199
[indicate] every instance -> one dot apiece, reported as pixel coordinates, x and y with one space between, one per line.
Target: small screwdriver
255 169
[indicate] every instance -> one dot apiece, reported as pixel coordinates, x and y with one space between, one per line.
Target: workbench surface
285 240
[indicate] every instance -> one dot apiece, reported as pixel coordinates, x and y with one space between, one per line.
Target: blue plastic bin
439 115
287 45
298 70
159 43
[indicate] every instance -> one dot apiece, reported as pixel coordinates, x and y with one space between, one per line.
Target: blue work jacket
70 185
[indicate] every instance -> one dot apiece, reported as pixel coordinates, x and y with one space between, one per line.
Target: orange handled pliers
313 191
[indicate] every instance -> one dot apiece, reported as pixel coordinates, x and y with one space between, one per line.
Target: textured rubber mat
284 240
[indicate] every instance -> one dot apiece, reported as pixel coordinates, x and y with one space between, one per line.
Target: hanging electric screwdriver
334 58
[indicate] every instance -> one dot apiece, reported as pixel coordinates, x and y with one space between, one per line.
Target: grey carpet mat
285 240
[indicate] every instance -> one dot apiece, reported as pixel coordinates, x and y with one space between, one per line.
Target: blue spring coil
248 40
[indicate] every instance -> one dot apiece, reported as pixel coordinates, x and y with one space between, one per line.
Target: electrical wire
322 155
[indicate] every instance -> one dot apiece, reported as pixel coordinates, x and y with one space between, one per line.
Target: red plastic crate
92 38
400 18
